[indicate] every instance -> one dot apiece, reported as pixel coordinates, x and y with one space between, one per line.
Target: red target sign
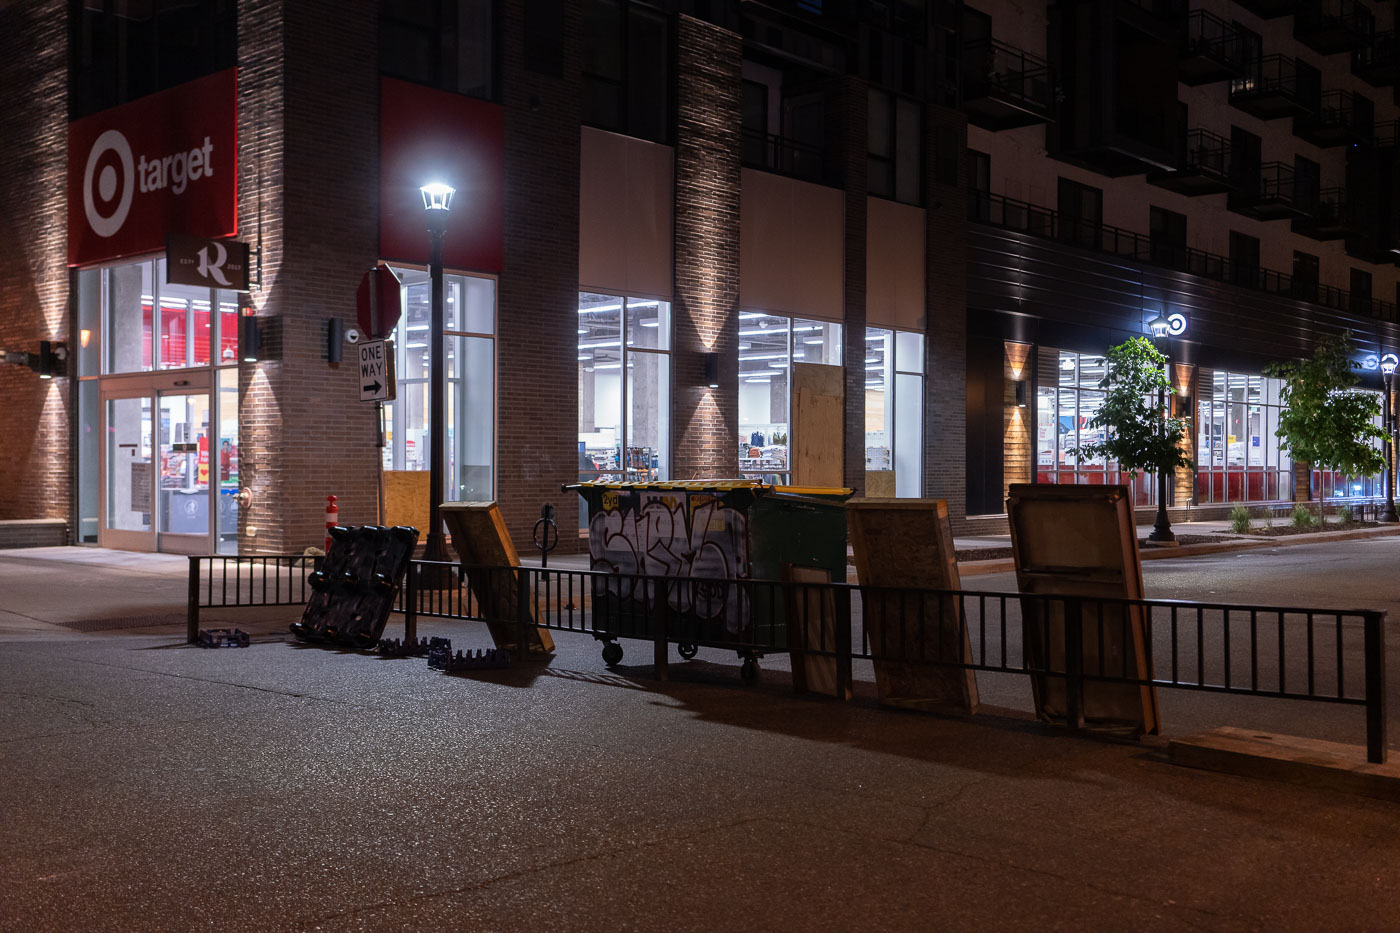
164 164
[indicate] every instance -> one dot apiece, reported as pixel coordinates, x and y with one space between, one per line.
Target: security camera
352 335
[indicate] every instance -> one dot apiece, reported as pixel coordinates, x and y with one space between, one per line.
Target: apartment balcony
1210 50
1004 87
1378 61
1266 194
1332 26
784 156
1341 119
1269 9
1386 134
1046 224
1269 89
1329 216
1203 166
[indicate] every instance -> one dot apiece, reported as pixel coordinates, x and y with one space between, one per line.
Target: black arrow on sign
372 387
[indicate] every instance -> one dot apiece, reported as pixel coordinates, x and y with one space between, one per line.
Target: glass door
183 497
163 462
129 490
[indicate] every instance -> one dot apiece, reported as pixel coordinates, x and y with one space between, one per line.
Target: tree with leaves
1323 423
1141 433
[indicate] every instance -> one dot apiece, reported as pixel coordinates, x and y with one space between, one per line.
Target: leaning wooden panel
811 631
480 539
1082 541
904 543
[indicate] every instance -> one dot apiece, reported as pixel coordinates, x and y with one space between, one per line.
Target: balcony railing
1268 88
1042 222
785 156
1005 87
1377 62
1341 118
1202 165
1210 49
1331 26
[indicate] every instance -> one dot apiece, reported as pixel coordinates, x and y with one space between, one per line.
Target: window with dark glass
1081 213
1244 259
1167 235
895 146
1245 156
120 50
979 183
1307 181
1251 50
626 69
1305 276
1360 291
446 44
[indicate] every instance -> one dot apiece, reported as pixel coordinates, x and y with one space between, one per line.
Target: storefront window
469 348
768 346
1238 456
137 304
894 408
624 388
1067 399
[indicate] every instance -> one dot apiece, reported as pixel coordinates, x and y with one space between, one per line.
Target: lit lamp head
1159 326
1388 364
437 204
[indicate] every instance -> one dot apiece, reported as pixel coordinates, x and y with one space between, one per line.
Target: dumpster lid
720 485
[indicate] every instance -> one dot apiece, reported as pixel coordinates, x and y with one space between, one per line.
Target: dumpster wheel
687 649
612 653
748 672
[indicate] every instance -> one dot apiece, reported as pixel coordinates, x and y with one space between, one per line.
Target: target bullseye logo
110 168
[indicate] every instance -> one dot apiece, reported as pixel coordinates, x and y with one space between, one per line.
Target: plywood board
811 627
406 498
902 544
879 484
818 424
1082 541
480 539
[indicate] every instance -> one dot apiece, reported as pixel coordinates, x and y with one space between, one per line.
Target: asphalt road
149 785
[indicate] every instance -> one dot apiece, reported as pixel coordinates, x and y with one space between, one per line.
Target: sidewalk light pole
1161 528
437 203
1388 364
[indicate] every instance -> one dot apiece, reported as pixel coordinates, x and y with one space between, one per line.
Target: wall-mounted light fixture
1021 393
711 361
335 340
84 336
248 337
1183 406
50 359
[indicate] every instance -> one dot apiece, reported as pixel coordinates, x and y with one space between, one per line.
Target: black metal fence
224 581
1325 656
1072 643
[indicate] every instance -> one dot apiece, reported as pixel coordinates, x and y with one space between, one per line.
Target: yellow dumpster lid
720 485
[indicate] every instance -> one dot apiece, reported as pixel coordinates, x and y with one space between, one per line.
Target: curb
975 568
1291 759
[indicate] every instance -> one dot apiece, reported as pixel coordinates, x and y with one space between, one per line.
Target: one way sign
376 373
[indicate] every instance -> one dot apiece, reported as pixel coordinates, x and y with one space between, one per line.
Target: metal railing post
410 606
522 611
845 685
1074 664
660 642
192 607
1376 745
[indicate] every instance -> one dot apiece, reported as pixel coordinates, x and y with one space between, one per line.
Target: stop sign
377 302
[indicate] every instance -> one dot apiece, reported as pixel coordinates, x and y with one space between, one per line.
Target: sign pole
379 458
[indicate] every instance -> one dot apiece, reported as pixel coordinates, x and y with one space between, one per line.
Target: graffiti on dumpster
657 533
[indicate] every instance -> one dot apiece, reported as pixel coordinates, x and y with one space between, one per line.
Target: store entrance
164 465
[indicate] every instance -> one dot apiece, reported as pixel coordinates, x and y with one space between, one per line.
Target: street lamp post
1388 364
437 203
1161 528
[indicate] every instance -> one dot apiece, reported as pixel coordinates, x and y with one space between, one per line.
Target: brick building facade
846 176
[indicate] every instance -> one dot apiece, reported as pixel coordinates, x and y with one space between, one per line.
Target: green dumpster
737 533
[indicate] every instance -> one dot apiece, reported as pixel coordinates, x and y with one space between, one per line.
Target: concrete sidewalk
151 785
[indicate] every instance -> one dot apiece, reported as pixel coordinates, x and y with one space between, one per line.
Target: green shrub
1303 517
1346 515
1239 520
